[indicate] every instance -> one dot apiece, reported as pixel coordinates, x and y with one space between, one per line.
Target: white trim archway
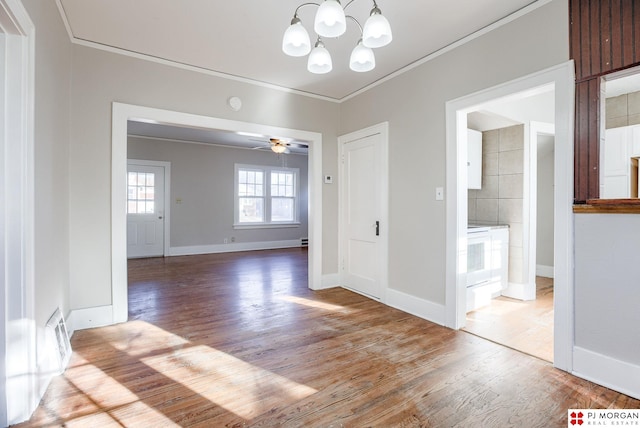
125 112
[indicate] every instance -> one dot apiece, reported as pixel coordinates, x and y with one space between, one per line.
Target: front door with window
145 210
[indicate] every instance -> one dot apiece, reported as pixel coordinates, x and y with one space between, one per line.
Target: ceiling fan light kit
282 145
279 148
330 22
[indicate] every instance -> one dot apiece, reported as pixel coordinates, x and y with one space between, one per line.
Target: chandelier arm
355 20
375 5
348 4
305 4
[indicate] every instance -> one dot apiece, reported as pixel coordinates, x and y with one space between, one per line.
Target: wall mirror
620 135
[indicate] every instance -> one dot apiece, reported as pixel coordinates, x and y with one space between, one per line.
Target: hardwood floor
524 326
239 340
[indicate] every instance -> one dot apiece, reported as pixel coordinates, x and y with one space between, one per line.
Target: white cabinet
619 163
615 176
474 159
616 151
635 141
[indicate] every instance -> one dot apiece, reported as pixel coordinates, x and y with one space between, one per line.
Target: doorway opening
508 203
558 81
620 135
123 113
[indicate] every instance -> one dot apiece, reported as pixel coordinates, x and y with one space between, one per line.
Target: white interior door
363 208
145 210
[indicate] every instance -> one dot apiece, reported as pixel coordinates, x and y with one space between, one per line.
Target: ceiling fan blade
299 145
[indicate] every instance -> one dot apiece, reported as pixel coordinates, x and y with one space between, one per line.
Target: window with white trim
266 196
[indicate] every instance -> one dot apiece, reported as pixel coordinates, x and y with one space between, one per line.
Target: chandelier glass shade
362 58
330 19
296 39
377 31
319 59
330 22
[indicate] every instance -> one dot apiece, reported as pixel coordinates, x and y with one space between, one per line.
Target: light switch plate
439 193
328 179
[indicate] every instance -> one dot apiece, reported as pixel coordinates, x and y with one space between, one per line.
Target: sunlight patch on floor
101 388
312 303
228 381
143 338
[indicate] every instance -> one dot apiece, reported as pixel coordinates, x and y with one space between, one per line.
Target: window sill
608 206
266 226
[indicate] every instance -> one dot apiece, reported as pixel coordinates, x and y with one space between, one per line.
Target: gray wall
623 110
52 106
101 78
414 105
607 264
73 156
202 177
544 235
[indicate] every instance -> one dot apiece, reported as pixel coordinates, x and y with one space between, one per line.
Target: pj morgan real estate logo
603 418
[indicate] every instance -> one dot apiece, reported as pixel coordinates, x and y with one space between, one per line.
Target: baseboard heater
304 242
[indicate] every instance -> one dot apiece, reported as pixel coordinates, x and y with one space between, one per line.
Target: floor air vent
58 341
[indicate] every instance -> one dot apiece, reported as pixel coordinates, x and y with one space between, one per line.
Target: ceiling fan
278 145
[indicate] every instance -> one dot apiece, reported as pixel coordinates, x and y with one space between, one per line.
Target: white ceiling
242 38
215 137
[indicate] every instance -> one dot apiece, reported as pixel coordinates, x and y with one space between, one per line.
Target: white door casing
147 208
122 113
562 77
20 381
363 211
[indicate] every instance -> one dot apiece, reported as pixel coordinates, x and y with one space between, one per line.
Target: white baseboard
232 247
520 291
606 371
421 308
331 280
544 271
80 319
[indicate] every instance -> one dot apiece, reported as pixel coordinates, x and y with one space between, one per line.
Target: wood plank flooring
526 326
238 340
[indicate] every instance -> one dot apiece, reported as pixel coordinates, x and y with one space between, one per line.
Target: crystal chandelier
331 21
